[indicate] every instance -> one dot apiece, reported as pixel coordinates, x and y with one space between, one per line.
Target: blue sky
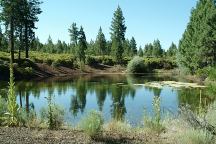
146 20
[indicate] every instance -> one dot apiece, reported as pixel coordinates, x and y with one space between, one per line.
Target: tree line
19 35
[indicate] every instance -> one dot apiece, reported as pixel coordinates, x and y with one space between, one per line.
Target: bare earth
31 136
44 70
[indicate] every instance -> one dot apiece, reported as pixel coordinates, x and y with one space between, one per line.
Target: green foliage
53 115
154 123
12 114
74 33
94 60
136 65
153 50
192 136
172 51
133 46
197 46
101 43
92 124
82 45
140 52
118 30
3 109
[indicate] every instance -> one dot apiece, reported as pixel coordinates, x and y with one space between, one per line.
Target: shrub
92 124
29 118
108 61
91 61
118 126
136 65
53 115
192 136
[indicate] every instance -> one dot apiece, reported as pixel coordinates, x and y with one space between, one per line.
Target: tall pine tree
118 30
82 45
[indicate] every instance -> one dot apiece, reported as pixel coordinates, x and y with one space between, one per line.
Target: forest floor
43 136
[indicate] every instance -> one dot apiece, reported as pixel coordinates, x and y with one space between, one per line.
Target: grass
192 136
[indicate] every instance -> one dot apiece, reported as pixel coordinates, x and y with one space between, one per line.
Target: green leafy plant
12 114
92 124
53 115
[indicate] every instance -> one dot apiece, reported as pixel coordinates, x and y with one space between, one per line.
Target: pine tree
172 50
133 46
9 15
140 52
32 10
82 45
157 49
74 33
118 30
101 43
197 46
127 49
148 50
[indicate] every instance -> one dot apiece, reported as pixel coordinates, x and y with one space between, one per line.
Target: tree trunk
21 43
11 44
27 102
26 41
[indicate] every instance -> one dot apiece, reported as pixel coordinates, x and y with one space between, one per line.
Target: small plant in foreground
92 124
154 123
53 115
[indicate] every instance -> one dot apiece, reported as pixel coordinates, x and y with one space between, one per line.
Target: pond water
116 96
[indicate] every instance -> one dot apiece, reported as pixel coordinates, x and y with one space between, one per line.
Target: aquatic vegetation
173 84
92 124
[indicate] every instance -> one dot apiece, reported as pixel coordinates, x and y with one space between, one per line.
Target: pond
118 97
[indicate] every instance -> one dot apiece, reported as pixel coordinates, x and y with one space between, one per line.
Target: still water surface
115 96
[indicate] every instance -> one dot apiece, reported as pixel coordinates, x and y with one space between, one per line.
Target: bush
92 124
118 126
108 61
136 65
62 62
91 61
192 136
54 118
